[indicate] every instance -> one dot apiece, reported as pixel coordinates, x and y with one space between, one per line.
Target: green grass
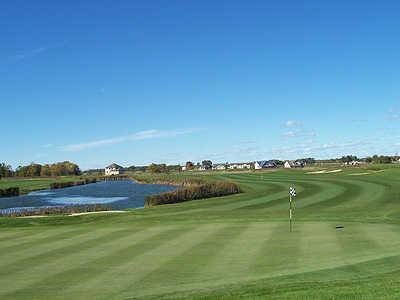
27 185
221 248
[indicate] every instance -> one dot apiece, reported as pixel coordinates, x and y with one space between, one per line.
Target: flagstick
290 211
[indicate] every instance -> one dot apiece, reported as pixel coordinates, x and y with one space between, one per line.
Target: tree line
65 168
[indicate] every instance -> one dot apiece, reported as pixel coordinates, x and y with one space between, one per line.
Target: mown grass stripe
177 268
137 262
53 250
31 238
39 240
279 254
73 265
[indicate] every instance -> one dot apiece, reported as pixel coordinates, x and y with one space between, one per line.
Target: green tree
157 168
5 170
207 164
189 165
45 171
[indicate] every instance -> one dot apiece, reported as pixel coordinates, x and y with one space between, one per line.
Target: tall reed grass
9 192
194 192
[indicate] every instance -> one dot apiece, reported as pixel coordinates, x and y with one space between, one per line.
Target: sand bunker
97 212
366 173
325 171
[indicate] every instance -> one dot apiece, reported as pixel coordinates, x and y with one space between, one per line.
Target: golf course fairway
231 247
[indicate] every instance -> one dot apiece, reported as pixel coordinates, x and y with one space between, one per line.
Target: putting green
221 248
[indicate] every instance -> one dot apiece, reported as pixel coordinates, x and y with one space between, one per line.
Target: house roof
263 163
114 166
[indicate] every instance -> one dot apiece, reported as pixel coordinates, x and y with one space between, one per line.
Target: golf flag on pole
292 191
292 194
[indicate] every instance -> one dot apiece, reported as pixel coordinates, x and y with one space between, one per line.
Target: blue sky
137 82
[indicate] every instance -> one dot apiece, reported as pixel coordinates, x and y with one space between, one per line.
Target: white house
242 166
219 167
112 169
353 163
287 165
293 164
264 164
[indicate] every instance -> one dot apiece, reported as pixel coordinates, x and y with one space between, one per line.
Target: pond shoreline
107 195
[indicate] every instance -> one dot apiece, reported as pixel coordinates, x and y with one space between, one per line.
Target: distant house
353 163
287 165
113 169
241 166
219 166
264 164
293 164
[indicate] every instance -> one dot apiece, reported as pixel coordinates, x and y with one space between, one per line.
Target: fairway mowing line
242 203
31 233
57 249
309 192
126 263
57 273
385 236
319 247
14 248
356 191
356 247
371 193
235 259
344 190
16 234
278 255
232 264
176 271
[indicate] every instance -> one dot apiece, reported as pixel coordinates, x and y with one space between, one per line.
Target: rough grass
27 185
194 192
221 248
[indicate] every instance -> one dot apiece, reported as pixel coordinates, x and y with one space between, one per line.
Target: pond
115 194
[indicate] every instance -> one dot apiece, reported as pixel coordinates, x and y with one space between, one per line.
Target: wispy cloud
33 52
292 123
394 114
29 53
141 135
299 133
47 145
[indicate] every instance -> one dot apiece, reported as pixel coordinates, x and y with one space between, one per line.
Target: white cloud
394 114
29 53
47 145
299 133
292 123
141 135
35 51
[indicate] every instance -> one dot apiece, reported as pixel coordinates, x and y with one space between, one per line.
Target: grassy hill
221 248
27 185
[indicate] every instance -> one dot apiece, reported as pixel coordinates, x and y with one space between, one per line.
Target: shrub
194 192
9 192
60 185
51 210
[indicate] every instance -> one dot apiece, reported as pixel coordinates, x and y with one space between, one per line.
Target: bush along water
60 185
194 192
51 210
9 192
